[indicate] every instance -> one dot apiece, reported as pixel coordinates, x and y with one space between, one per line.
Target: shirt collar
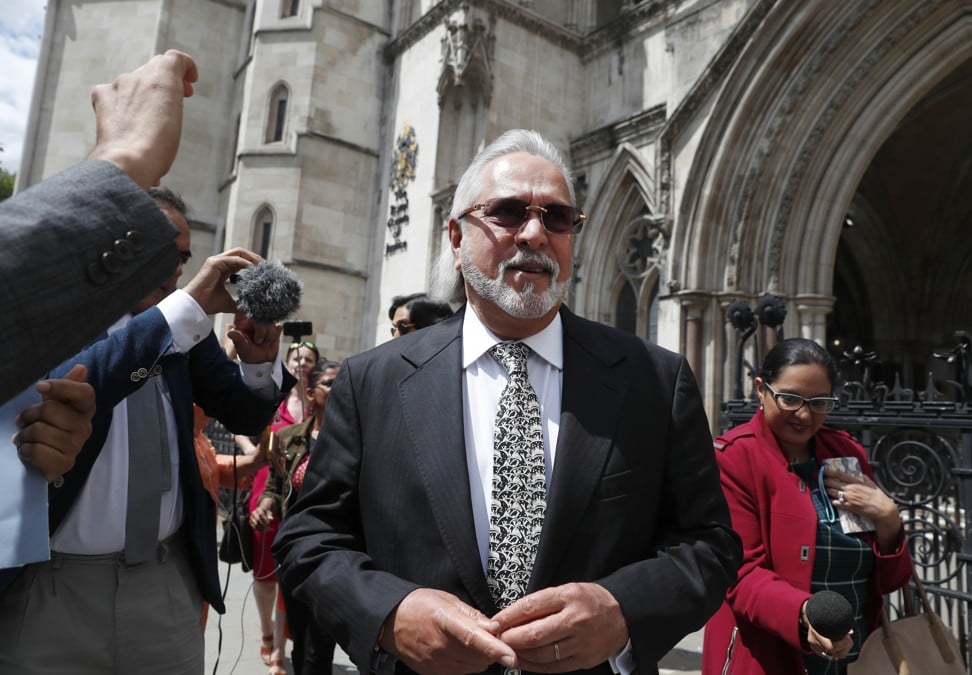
477 339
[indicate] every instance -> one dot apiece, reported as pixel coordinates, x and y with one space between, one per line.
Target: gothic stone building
818 150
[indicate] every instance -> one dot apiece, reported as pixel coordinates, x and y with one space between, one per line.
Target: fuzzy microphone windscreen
268 292
830 614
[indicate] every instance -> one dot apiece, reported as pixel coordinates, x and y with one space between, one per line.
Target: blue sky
20 33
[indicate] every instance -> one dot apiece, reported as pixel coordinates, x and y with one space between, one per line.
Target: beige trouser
94 614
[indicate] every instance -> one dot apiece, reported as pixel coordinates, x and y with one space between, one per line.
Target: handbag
914 645
237 542
236 546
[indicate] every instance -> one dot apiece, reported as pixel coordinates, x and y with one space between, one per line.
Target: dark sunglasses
511 214
402 328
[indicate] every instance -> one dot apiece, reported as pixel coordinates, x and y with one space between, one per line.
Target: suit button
124 249
134 377
110 261
156 369
142 372
58 482
136 239
511 671
97 274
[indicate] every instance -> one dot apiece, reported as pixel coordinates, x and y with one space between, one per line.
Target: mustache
546 263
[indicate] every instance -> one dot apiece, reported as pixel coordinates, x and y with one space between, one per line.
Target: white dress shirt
95 525
483 381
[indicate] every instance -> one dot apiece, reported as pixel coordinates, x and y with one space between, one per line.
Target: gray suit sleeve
77 251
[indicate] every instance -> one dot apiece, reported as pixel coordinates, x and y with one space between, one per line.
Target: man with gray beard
515 487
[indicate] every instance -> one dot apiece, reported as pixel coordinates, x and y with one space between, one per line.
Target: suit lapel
431 399
593 391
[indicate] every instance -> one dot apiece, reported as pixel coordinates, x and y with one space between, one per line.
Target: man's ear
455 239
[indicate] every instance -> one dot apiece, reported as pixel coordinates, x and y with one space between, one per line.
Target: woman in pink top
300 358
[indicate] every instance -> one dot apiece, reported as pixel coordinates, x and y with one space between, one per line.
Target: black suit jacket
634 501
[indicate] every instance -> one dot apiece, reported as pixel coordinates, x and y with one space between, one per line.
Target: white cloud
20 34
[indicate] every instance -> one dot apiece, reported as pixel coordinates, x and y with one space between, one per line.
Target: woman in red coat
789 514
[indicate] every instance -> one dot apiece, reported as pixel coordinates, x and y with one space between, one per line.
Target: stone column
812 311
693 305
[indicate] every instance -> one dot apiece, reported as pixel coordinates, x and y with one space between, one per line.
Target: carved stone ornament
467 52
642 246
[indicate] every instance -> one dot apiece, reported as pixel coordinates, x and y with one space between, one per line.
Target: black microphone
830 614
268 292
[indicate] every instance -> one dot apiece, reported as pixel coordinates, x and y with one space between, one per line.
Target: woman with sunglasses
786 508
313 651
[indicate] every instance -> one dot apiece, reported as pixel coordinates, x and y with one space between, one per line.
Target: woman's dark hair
797 352
316 374
424 311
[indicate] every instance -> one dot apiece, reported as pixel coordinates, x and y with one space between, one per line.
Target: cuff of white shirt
263 377
623 662
188 322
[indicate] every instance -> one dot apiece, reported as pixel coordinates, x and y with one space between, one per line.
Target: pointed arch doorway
803 110
903 268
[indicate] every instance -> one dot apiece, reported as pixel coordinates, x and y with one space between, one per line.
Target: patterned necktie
519 480
149 471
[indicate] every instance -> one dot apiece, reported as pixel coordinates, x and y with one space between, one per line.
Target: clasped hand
559 629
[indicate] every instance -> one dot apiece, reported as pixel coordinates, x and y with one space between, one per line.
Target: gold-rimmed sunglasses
510 214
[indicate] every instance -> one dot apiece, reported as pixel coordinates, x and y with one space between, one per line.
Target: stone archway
620 264
812 95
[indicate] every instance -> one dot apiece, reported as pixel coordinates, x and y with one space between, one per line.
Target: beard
525 304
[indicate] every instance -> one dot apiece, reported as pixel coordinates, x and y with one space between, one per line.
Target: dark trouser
313 650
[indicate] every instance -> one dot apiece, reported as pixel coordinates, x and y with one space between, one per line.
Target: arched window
289 8
277 113
626 310
263 232
628 314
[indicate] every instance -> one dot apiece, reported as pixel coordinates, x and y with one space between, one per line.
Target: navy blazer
118 365
634 502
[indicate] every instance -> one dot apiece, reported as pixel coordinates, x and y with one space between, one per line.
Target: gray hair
447 282
514 140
